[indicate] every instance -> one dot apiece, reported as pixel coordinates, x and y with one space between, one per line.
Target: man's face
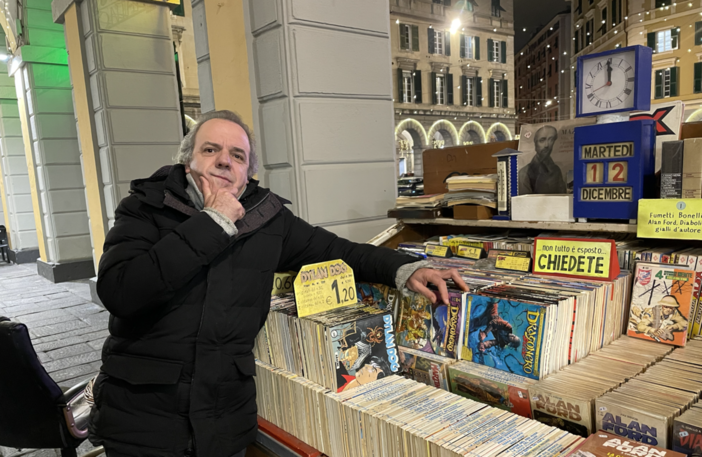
367 374
668 311
221 155
544 140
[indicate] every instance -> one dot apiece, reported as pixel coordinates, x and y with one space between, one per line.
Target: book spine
672 169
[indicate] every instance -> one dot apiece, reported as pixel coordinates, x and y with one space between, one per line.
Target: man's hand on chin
421 278
221 200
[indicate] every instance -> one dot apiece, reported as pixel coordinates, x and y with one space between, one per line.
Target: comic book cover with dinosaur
504 334
660 303
364 350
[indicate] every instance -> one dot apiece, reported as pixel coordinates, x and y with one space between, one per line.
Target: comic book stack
273 342
567 399
430 369
603 444
494 387
398 416
687 432
644 408
661 301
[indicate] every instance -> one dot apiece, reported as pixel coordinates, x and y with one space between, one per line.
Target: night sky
532 14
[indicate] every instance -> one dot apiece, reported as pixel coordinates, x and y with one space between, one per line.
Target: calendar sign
613 169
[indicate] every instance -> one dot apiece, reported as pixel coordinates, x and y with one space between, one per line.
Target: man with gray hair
186 275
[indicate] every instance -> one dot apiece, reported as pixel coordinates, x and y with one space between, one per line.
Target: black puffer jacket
186 303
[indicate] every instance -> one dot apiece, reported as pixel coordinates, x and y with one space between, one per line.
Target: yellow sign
570 257
670 218
283 283
510 262
469 252
323 286
437 251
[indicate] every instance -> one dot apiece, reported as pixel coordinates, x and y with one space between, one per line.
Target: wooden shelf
570 226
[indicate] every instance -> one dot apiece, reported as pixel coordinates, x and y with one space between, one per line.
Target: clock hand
609 72
608 83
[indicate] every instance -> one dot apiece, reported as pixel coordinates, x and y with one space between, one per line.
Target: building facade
542 71
453 75
596 26
674 31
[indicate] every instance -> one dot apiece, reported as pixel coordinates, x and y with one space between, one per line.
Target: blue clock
614 81
614 168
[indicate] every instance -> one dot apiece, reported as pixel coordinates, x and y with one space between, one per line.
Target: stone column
322 82
40 70
126 97
18 214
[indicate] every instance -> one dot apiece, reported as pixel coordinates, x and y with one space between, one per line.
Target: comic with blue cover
503 334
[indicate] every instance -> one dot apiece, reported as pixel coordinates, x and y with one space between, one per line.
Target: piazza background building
451 88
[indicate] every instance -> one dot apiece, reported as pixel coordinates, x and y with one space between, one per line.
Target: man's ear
187 168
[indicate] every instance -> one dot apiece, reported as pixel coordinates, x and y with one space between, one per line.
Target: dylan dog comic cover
503 334
660 303
364 350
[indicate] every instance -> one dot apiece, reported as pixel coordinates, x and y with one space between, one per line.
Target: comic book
487 385
378 295
431 328
430 369
687 433
602 444
503 334
364 350
660 303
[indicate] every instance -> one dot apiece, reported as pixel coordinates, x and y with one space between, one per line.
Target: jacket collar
166 187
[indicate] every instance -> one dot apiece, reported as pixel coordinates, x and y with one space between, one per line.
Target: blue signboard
614 168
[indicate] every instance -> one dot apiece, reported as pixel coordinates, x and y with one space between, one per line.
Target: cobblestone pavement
66 327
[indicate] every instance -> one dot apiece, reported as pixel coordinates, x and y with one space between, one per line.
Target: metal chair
4 244
34 412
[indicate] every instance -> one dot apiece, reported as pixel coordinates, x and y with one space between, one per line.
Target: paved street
67 329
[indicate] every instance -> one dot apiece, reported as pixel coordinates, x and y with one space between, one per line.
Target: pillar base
69 271
23 255
93 292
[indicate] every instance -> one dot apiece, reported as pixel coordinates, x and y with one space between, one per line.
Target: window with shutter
447 43
503 51
449 89
491 92
673 81
440 89
433 88
476 47
404 38
399 85
430 35
659 84
463 46
415 38
698 78
505 94
478 82
464 90
417 86
662 3
407 87
651 41
603 28
674 37
490 49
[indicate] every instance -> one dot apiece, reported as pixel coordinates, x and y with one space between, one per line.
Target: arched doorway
410 147
441 139
498 132
471 133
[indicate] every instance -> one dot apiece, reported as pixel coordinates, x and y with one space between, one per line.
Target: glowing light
455 25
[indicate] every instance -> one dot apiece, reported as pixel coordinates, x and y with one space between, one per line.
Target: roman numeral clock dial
608 83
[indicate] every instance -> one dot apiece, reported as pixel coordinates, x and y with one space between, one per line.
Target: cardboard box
692 168
543 208
691 130
476 159
472 212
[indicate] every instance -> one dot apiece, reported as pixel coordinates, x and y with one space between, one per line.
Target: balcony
423 9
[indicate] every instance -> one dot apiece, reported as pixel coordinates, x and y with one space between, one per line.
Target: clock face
608 83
